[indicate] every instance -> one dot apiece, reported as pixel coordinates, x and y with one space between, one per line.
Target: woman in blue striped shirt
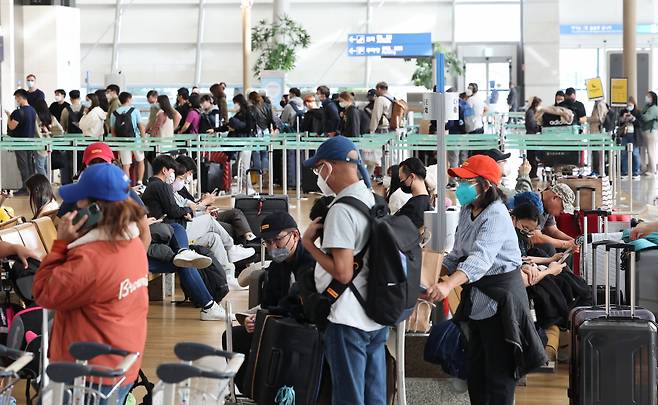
494 310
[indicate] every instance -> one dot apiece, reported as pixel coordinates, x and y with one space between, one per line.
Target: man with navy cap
354 343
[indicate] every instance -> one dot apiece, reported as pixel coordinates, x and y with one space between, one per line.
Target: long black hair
94 101
395 181
102 100
654 98
240 100
165 105
41 192
43 112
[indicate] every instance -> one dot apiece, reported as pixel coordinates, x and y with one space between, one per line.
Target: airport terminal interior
357 202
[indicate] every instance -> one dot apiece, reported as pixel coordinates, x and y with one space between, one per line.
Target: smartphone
241 318
94 216
162 217
423 289
564 257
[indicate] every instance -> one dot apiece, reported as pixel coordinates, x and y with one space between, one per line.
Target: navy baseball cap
338 149
103 181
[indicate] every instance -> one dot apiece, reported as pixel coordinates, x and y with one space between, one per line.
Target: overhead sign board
390 45
604 29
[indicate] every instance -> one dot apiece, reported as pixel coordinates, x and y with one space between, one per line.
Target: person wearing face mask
283 242
395 197
112 94
650 134
33 93
350 122
59 104
503 344
73 113
630 131
474 122
354 344
211 121
91 124
412 181
159 194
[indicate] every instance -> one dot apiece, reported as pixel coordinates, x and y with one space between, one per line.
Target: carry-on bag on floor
215 176
284 353
613 350
255 208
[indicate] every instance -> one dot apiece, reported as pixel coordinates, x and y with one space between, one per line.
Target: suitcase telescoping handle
591 189
631 249
595 245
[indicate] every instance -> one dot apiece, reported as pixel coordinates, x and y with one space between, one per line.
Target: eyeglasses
275 241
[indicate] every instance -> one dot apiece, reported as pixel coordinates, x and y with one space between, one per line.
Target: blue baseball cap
338 149
102 181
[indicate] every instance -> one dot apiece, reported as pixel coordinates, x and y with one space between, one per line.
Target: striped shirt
484 246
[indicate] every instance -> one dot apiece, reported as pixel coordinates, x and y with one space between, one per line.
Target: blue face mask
466 193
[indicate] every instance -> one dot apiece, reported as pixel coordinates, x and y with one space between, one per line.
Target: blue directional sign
390 45
604 29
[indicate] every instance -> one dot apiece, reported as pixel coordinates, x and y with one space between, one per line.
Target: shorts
126 156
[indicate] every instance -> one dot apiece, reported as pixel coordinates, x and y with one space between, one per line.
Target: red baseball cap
97 150
478 166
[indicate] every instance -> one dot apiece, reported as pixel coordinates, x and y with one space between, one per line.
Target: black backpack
365 122
394 260
213 277
143 381
74 120
124 124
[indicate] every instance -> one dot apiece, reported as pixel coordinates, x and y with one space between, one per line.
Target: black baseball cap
495 154
276 222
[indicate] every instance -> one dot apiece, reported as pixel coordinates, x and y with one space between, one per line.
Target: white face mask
188 180
648 99
30 84
324 187
59 98
344 104
469 92
386 182
178 185
171 177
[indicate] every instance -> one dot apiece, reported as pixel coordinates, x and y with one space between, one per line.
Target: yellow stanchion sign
594 88
618 92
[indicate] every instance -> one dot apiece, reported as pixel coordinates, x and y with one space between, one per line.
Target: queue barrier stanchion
298 165
270 153
629 172
198 166
284 165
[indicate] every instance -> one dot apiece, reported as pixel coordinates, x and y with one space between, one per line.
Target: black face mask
403 186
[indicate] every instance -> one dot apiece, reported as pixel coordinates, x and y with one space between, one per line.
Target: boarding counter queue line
394 146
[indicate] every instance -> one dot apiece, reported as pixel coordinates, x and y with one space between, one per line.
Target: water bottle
533 314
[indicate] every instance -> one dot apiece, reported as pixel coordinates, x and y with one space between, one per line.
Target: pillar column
541 49
280 8
246 44
630 46
8 65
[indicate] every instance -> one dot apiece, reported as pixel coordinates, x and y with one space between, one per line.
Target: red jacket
98 290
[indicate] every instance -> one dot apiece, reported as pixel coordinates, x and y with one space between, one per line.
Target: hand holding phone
94 216
564 257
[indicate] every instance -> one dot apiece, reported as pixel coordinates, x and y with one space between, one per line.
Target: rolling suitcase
212 177
284 353
257 207
613 348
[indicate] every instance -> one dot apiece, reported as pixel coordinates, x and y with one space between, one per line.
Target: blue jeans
189 277
358 365
624 157
41 164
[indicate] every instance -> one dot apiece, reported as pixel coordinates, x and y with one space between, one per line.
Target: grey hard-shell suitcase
614 350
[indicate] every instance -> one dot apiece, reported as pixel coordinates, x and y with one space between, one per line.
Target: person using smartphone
97 282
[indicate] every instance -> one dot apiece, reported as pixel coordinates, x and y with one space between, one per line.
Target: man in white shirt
474 122
354 343
381 111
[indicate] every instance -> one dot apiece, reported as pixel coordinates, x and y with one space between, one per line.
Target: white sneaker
189 258
229 269
624 178
244 279
636 178
214 313
238 252
233 284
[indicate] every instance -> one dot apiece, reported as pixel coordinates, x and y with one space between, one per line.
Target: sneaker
238 252
229 269
636 178
139 188
233 284
214 313
189 258
624 178
246 275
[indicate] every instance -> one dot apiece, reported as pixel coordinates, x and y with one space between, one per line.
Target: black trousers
491 364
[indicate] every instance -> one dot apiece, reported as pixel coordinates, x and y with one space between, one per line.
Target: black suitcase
255 208
212 177
613 351
284 352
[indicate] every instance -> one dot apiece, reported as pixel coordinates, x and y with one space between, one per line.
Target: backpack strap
335 289
130 111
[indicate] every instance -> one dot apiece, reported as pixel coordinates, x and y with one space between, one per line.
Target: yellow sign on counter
594 88
618 92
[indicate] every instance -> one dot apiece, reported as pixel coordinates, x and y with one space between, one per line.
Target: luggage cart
80 383
9 375
177 380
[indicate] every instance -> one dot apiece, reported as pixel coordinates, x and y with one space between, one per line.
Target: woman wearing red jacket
96 281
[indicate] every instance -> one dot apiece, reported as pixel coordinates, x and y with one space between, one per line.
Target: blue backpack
446 347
